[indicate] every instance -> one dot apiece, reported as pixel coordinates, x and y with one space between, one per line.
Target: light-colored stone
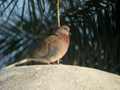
57 77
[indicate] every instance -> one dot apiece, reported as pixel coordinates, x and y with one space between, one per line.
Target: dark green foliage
95 33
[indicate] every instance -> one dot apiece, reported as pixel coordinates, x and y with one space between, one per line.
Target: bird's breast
64 44
64 38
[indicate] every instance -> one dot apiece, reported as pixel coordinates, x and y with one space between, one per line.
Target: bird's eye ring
65 28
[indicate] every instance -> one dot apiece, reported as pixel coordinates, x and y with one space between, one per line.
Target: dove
52 48
55 46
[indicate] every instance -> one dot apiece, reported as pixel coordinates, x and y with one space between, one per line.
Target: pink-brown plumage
54 47
51 50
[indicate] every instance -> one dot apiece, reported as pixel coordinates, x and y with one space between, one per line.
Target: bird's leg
49 63
58 61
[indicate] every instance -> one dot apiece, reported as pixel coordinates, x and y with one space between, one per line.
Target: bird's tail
29 61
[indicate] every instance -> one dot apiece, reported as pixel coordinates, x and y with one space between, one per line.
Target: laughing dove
52 49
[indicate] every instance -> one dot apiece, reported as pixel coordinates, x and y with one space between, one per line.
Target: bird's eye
65 28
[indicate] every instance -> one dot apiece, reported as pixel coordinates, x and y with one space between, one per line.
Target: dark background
95 34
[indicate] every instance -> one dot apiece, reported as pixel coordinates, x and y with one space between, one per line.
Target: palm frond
94 39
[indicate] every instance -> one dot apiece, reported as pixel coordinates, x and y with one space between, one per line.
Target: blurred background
95 34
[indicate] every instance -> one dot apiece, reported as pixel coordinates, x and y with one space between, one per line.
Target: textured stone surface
57 77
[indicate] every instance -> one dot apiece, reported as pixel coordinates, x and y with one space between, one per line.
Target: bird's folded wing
48 47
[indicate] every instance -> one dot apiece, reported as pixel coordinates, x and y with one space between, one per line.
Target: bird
51 49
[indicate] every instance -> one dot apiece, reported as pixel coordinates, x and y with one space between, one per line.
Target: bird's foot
58 61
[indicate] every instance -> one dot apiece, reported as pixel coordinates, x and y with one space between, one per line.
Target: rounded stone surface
57 77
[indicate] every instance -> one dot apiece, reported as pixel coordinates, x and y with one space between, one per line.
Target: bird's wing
48 47
52 46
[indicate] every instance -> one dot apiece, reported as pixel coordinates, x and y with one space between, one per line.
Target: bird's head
64 30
